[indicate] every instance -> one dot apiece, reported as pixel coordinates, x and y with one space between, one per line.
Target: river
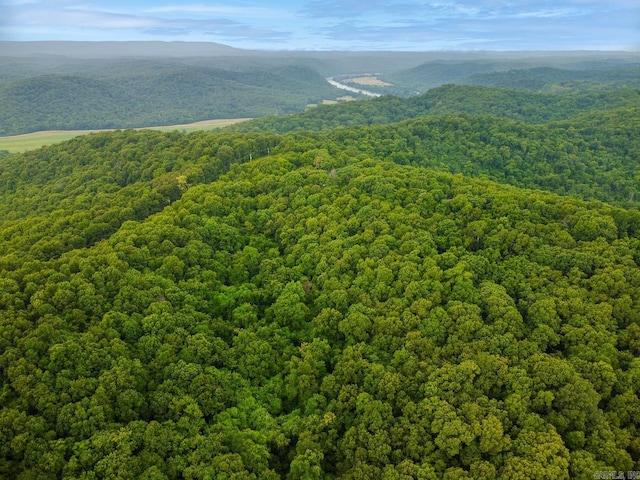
349 88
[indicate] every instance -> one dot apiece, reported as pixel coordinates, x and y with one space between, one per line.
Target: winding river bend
352 89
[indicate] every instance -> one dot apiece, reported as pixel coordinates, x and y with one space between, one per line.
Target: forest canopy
449 296
143 94
98 85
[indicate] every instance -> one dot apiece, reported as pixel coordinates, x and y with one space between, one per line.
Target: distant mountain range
88 85
117 49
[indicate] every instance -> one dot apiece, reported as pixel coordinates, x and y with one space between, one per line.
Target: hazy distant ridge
117 49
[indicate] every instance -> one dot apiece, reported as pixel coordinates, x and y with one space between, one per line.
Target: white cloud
350 24
221 10
548 13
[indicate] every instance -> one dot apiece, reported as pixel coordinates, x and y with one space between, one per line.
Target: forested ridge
141 94
560 76
530 107
453 295
99 85
589 156
548 79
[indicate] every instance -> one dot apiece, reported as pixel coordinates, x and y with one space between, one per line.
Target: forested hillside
143 93
530 107
560 80
95 85
590 156
568 74
355 302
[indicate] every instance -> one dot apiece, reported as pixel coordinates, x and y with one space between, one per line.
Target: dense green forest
561 75
589 156
140 93
446 286
531 107
558 80
97 85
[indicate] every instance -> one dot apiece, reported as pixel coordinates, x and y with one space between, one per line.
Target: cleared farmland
31 141
368 81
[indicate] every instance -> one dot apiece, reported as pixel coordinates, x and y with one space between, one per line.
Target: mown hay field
30 141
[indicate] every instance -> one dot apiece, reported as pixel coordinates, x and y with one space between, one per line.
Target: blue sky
418 25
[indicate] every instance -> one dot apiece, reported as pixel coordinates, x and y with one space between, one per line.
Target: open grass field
30 141
369 81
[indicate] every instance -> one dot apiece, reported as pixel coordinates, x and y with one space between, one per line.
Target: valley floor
31 141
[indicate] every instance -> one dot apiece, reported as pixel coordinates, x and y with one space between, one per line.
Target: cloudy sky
335 24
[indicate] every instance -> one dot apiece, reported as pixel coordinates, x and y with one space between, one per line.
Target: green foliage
590 156
557 80
144 93
525 106
344 304
554 74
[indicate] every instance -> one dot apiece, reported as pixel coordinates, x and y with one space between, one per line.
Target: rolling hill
530 107
445 286
139 94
